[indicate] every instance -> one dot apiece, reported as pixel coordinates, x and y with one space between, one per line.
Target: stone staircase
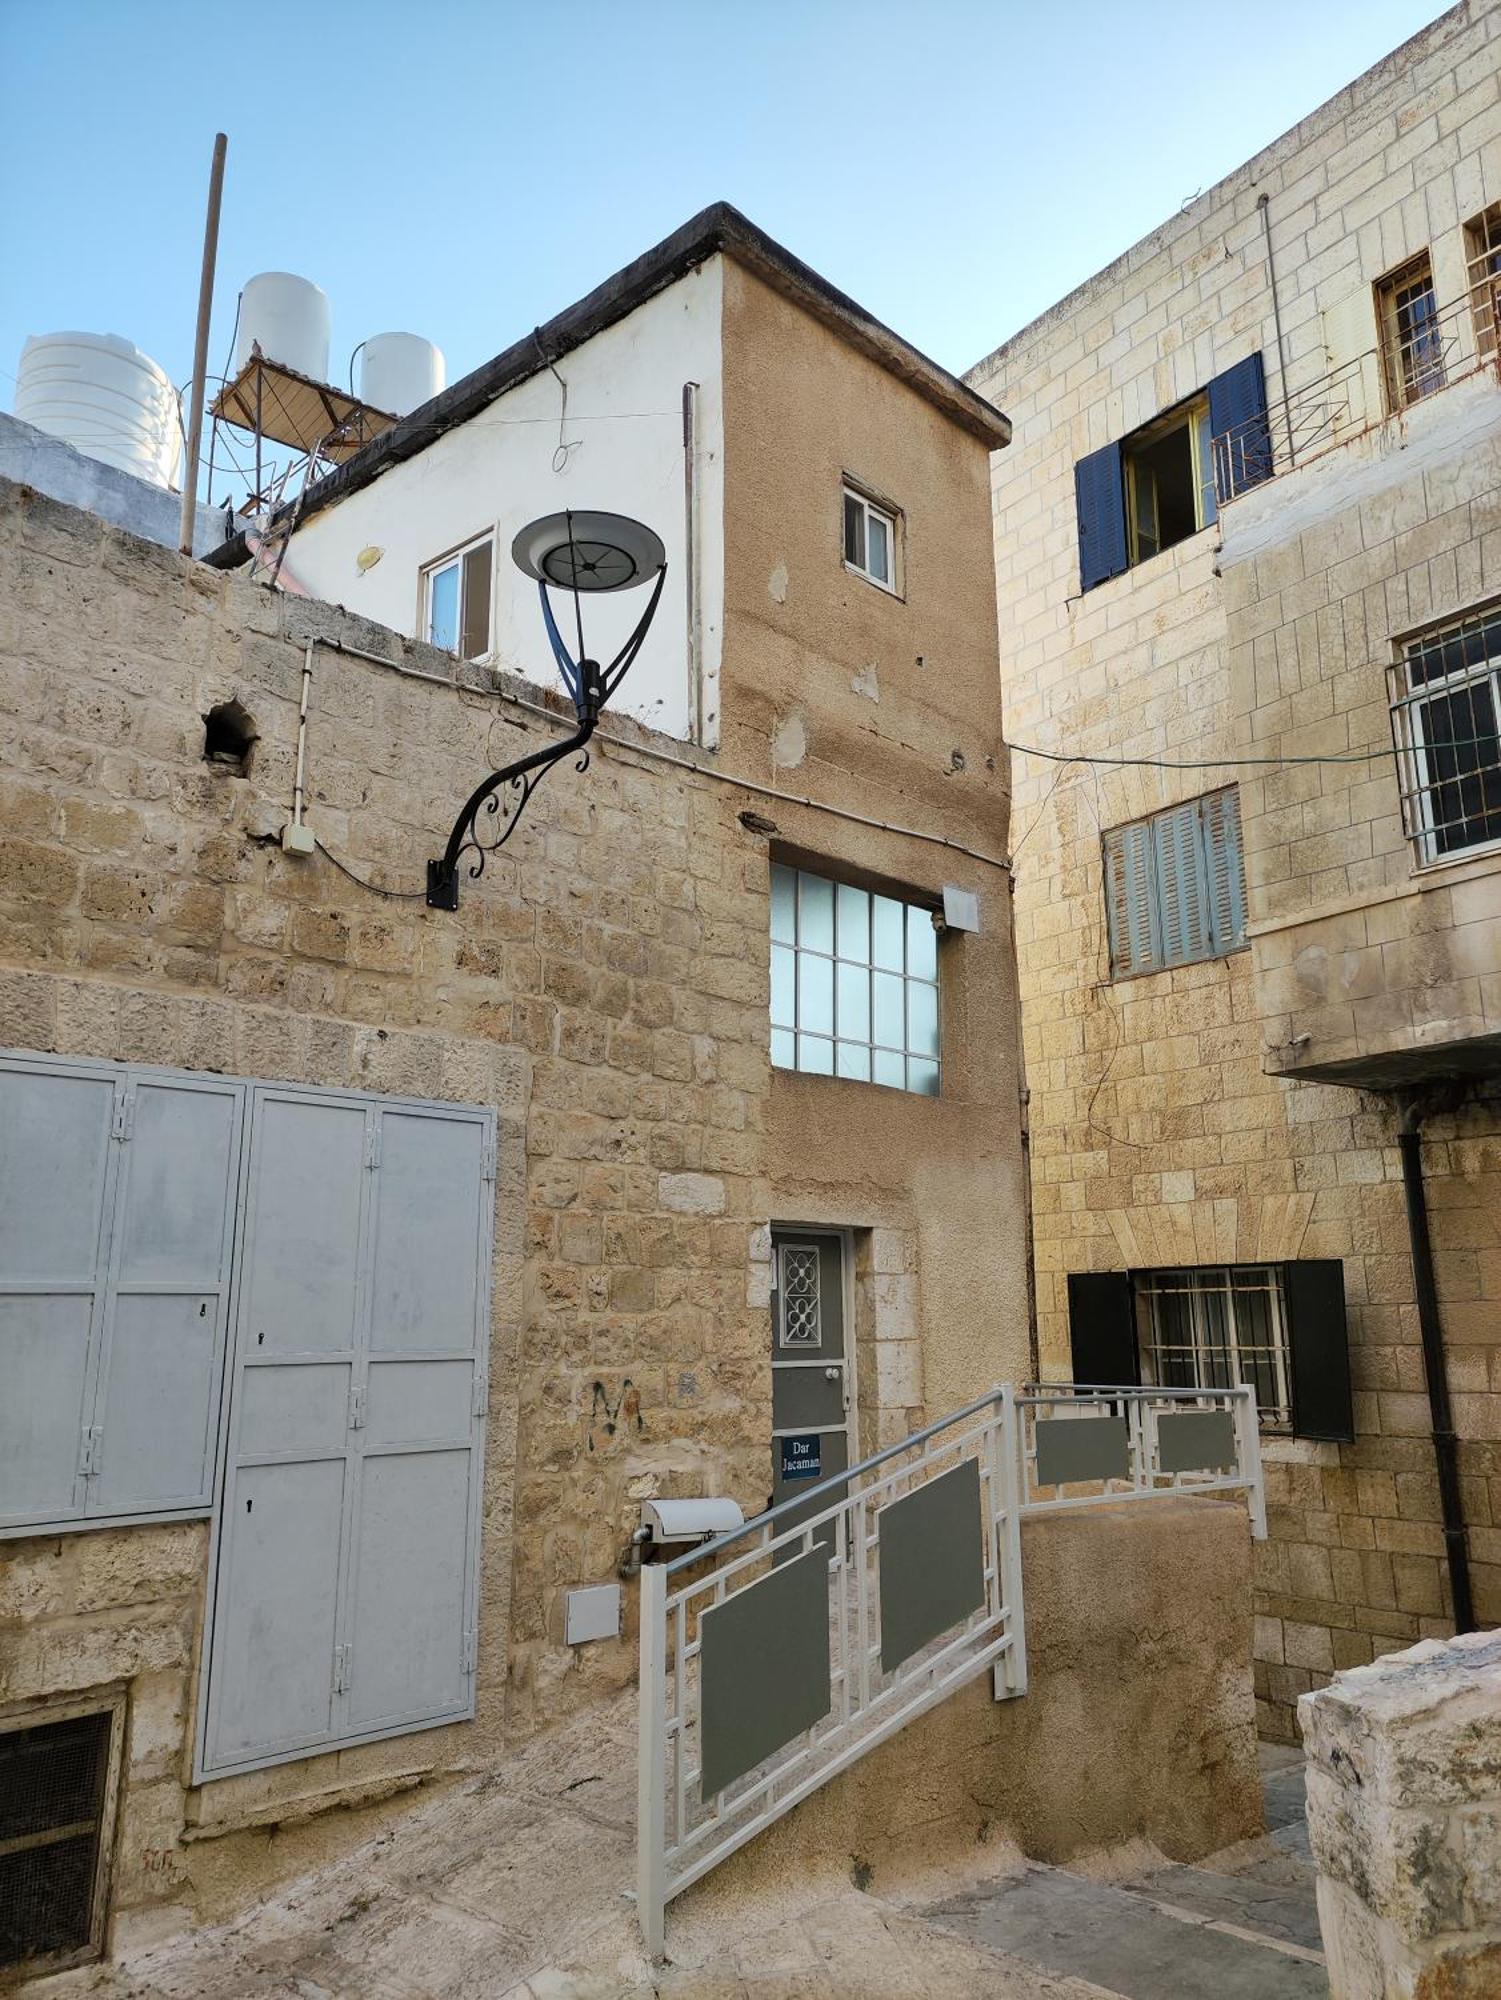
1241 1925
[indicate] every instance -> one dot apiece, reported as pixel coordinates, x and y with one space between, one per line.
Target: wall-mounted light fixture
578 552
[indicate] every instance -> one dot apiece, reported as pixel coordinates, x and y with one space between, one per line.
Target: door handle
832 1373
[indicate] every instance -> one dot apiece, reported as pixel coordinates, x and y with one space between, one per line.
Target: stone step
1128 1945
1253 1899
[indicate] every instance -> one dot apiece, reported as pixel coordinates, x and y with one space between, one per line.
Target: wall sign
801 1457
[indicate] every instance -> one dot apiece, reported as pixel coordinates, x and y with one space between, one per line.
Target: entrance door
811 1401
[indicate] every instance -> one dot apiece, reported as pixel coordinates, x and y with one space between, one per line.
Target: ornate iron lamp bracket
495 807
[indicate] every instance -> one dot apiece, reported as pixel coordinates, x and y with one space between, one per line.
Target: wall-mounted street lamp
579 553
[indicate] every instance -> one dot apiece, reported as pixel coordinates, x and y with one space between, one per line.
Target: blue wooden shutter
1129 899
1238 426
1182 890
1100 493
1226 869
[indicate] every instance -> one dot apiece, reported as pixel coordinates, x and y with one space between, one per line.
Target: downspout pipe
1435 1374
1264 204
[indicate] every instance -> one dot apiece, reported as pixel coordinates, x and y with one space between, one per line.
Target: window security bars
854 983
901 1588
1483 250
1443 344
1411 344
1446 726
1218 1328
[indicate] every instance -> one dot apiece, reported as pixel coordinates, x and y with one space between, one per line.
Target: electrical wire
1210 763
378 888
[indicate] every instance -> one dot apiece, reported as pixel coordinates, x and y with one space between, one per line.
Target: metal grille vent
53 1781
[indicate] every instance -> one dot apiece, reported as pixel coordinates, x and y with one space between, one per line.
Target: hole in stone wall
229 735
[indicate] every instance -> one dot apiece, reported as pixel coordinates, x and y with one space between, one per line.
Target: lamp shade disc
588 551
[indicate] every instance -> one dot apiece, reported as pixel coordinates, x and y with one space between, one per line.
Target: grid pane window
1483 250
1224 1327
1446 720
854 983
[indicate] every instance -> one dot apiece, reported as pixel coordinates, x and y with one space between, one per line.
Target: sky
466 168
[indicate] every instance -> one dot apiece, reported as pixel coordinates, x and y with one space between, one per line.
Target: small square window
1412 342
1169 471
456 600
870 539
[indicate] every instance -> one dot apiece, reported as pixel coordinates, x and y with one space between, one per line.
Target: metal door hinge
480 1407
341 1669
125 1116
356 1409
372 1145
487 1158
90 1449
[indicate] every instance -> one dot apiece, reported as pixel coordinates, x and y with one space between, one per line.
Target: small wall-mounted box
961 909
592 1613
698 1520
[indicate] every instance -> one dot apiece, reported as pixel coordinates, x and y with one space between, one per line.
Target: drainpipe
1445 1452
1264 203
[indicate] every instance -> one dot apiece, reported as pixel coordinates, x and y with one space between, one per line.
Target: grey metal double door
345 1569
117 1190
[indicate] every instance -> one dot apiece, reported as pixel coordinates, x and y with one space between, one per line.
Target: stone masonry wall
1157 1135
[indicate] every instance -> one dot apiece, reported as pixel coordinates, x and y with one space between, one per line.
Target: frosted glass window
854 984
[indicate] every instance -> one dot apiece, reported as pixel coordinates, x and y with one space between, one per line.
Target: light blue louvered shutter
1225 867
1129 899
1182 887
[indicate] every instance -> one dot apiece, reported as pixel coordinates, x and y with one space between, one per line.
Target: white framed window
854 983
1446 723
871 535
1223 1327
456 592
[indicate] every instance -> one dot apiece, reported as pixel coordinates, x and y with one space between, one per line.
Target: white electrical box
961 908
592 1613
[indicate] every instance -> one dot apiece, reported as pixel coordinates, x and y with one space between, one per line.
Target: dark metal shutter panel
1102 1328
1100 495
1226 865
1238 426
1319 1346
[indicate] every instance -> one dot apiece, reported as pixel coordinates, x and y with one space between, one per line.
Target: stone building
364 1265
1248 542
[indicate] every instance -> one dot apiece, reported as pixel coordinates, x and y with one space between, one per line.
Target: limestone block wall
1404 1819
1159 1133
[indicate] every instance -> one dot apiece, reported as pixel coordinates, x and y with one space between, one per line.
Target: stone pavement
512 1886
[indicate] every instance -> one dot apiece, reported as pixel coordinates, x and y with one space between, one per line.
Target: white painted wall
625 432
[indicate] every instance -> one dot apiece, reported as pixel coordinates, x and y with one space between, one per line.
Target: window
1412 348
1446 721
870 539
1483 250
1276 1328
1175 885
854 983
1149 491
456 600
1169 480
1221 1328
58 1777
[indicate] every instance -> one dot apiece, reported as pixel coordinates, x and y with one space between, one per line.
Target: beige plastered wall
1158 1134
888 705
604 986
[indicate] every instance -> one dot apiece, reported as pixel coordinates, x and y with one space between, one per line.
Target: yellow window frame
1194 416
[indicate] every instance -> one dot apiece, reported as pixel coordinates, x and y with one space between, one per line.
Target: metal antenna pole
200 347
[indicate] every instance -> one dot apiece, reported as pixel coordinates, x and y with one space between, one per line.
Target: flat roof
718 229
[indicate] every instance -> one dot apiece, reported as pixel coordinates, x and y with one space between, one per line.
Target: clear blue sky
465 168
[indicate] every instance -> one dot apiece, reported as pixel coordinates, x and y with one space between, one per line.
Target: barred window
1446 723
1412 342
1224 1327
854 983
1483 255
1175 885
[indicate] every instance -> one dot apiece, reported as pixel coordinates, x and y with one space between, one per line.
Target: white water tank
103 395
289 318
400 370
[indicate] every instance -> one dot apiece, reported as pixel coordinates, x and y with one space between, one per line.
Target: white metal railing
997 1459
1452 343
1150 1457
